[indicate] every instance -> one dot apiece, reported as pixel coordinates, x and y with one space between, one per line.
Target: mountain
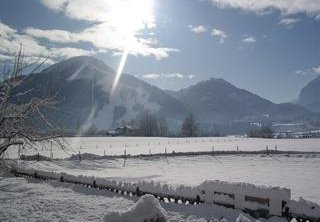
82 87
216 100
309 95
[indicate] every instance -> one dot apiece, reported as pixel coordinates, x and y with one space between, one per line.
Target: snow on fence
259 201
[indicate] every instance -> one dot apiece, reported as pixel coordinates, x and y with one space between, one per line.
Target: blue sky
271 48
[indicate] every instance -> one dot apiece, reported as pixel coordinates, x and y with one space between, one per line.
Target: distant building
121 131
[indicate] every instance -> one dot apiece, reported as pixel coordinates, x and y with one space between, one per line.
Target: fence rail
160 196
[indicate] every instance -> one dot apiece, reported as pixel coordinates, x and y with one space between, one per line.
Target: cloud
69 52
316 69
117 26
307 72
10 40
198 29
220 34
167 76
248 39
286 7
288 22
56 5
5 30
58 36
151 76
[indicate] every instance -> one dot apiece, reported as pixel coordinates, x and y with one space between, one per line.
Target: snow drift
147 209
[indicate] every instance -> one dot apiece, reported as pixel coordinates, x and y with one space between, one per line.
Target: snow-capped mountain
82 87
216 100
309 95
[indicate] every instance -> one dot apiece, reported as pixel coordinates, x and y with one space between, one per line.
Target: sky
270 47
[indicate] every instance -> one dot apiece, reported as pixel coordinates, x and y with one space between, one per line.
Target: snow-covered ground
300 173
143 145
33 200
55 201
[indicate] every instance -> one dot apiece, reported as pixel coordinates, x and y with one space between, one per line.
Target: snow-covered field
32 200
51 201
300 173
143 145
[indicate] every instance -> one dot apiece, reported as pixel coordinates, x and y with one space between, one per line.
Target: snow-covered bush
242 218
147 209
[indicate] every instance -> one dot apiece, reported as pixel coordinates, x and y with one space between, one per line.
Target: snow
248 189
172 175
147 208
242 218
33 200
142 145
300 173
304 207
206 191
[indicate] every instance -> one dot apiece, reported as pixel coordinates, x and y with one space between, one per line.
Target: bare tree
149 124
24 124
189 127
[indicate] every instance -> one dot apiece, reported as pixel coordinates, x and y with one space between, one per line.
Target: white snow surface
53 201
33 200
147 208
143 145
300 173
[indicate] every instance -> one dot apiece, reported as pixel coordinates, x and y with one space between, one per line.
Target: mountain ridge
82 85
309 95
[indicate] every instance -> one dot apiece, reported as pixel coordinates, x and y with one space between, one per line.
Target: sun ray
119 71
129 16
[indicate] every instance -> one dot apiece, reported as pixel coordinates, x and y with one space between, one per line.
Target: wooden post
276 147
267 149
19 150
125 157
51 153
165 154
79 156
38 157
237 148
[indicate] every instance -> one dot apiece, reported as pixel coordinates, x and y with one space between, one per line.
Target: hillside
216 100
309 95
82 87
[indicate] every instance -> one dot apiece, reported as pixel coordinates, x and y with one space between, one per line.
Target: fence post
51 153
125 157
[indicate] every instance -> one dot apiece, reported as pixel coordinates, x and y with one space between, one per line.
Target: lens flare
129 17
119 71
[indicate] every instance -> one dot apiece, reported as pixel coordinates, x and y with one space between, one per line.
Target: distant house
121 131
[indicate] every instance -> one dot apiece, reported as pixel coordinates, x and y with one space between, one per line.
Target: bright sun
129 17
